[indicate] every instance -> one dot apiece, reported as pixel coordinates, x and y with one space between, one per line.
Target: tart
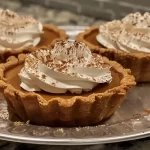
125 41
19 34
65 85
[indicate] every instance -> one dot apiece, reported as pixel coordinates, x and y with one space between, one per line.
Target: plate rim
74 141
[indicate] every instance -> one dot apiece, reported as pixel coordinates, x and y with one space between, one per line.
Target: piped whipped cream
131 34
17 32
69 66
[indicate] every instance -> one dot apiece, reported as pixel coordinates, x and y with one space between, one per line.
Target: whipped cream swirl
131 34
69 66
17 32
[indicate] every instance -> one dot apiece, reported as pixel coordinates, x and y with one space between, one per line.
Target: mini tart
49 37
138 63
48 109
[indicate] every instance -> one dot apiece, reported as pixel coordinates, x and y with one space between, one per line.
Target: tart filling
69 66
131 34
18 32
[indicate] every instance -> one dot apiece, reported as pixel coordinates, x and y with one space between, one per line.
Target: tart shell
46 40
138 63
76 111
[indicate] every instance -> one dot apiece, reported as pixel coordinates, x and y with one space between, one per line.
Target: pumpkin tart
50 35
134 56
19 34
64 109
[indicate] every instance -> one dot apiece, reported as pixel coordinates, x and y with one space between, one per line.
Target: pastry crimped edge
138 63
76 111
6 53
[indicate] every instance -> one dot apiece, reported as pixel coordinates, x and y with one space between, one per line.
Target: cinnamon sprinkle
60 59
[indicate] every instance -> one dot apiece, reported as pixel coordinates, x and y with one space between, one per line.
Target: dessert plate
131 121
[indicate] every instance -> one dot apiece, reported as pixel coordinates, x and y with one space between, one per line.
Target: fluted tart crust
138 63
43 108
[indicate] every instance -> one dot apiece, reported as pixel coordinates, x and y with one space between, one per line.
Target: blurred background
76 12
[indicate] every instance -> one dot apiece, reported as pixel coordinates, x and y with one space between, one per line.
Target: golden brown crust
138 63
61 33
76 111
